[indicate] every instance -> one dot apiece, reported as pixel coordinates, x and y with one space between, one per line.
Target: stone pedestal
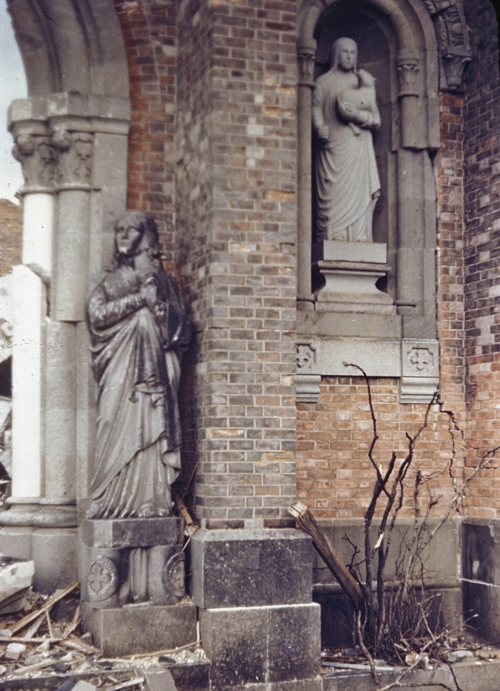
133 584
258 624
351 271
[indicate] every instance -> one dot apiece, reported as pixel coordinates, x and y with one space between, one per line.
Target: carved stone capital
36 155
408 72
306 357
74 157
307 59
453 40
455 64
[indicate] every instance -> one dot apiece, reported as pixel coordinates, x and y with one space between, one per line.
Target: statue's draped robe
135 360
347 181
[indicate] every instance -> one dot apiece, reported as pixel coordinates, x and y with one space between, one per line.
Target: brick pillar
236 211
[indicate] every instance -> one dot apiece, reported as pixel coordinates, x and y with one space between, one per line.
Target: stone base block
130 561
141 628
262 645
247 568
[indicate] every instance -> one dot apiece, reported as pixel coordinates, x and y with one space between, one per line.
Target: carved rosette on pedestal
135 568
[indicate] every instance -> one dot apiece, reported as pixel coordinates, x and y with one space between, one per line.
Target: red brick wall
149 31
482 249
236 234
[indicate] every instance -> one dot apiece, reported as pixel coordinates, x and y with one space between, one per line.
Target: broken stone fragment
159 679
14 650
16 576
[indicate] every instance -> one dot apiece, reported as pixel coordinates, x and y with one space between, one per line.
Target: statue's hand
324 132
148 291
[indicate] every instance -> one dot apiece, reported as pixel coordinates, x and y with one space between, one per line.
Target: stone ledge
473 676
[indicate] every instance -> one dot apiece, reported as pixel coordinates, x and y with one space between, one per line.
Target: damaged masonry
249 370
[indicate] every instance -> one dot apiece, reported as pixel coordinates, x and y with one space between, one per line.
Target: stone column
71 200
306 58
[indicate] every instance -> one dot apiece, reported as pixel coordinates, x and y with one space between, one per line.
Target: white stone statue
344 114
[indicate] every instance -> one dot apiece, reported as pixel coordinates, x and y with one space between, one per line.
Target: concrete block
141 628
132 532
261 645
245 568
159 679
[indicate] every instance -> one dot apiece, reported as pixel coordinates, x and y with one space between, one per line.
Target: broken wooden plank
305 520
58 595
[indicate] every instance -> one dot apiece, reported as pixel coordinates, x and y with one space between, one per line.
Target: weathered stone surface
259 645
132 532
159 679
481 571
141 628
250 568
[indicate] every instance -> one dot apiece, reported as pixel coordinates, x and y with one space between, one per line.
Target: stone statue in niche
344 114
139 331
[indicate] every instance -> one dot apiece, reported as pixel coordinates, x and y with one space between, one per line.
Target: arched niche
71 138
397 45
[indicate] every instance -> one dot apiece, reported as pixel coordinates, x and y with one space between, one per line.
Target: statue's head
134 231
344 55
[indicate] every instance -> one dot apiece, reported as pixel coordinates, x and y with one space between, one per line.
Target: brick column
236 194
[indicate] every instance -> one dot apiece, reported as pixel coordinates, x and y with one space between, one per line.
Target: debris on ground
16 577
45 643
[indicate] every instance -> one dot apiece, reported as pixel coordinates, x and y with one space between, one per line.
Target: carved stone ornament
102 579
174 575
420 360
74 153
306 356
37 157
408 72
307 58
453 40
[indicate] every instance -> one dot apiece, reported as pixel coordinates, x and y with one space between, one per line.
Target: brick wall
212 156
236 225
149 32
482 221
11 223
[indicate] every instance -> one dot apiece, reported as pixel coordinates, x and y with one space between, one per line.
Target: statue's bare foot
146 511
94 510
163 512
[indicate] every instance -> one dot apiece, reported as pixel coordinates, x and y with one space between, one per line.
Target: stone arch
71 47
71 138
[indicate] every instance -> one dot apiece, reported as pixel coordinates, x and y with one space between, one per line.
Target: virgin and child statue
344 113
139 331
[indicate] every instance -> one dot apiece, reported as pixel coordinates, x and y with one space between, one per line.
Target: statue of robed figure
139 331
345 112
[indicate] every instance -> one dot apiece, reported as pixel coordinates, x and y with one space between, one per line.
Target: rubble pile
43 647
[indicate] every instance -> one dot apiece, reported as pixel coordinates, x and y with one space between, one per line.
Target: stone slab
365 252
481 572
132 532
261 645
294 685
140 628
470 676
159 679
245 568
